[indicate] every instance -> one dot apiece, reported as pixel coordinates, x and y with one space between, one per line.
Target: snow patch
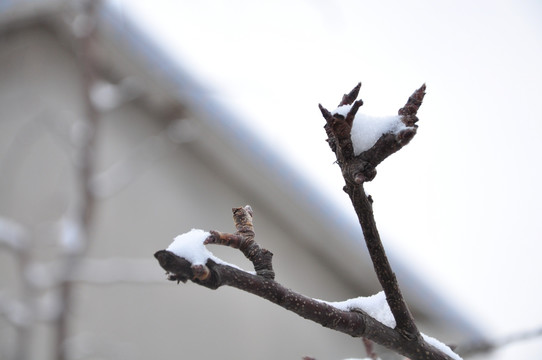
190 247
366 129
442 347
375 306
342 110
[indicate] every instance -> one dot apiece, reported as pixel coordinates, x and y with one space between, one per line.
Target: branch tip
406 135
325 113
414 102
351 96
353 111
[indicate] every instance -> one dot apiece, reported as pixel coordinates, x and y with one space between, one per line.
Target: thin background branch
80 218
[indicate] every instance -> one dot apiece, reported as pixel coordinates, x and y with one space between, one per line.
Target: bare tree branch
405 338
358 169
80 218
355 323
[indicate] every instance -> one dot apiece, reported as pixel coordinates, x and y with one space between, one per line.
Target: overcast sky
463 201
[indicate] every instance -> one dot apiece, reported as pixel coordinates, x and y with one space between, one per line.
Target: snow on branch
360 144
187 258
191 247
375 306
363 141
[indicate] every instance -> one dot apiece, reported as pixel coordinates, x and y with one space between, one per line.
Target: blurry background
183 110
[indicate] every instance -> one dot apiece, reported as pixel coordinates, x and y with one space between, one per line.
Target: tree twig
213 275
243 240
82 213
405 338
358 169
354 323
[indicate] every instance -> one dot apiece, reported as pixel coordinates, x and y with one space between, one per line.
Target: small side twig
243 240
83 208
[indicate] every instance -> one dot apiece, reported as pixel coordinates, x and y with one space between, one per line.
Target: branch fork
179 269
405 338
361 168
357 170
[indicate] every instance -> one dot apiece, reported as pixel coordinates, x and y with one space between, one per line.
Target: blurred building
169 158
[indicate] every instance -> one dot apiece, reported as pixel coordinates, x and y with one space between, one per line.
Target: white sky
463 200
